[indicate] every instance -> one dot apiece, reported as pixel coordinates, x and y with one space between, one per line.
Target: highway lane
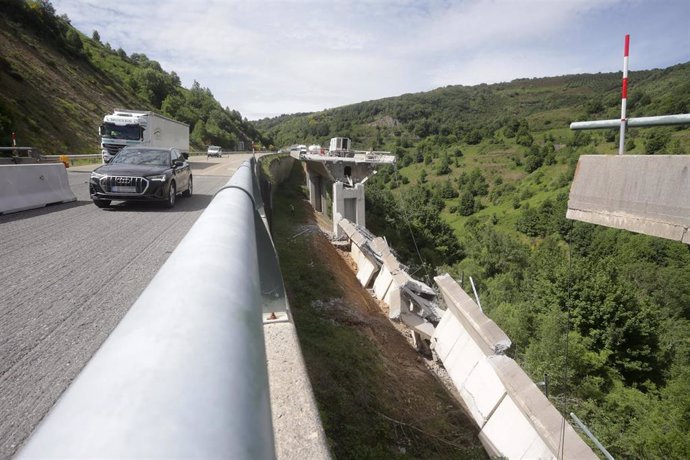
68 274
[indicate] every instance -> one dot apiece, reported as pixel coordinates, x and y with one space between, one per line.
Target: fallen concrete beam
644 194
417 324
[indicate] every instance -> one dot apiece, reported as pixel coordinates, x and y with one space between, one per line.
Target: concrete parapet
297 428
516 420
525 424
644 194
462 304
29 186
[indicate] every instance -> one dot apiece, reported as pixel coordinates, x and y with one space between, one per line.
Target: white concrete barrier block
471 315
382 283
379 246
462 359
482 391
394 295
366 270
448 331
355 253
33 186
394 301
512 435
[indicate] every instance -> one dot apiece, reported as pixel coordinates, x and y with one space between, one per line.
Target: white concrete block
33 186
464 356
512 434
366 269
382 283
448 331
482 391
394 301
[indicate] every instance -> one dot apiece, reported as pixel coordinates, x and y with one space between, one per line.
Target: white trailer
124 127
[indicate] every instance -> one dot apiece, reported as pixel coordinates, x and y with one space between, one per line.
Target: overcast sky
266 58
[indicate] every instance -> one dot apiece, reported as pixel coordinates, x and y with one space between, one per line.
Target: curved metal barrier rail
184 373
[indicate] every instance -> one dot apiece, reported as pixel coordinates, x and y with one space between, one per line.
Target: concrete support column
348 203
314 192
338 207
359 191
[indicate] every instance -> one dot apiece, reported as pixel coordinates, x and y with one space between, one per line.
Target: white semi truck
139 127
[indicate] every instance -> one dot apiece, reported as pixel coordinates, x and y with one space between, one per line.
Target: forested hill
468 114
57 83
480 189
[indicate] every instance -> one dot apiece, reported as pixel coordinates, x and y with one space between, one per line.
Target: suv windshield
143 157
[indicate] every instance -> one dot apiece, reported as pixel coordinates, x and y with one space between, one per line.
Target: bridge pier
348 203
336 183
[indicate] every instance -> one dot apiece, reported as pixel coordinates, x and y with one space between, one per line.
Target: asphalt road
68 274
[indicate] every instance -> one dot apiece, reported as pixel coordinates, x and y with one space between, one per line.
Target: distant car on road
214 151
142 174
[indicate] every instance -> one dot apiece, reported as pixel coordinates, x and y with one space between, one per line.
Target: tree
73 41
95 36
656 141
444 166
473 137
466 207
523 137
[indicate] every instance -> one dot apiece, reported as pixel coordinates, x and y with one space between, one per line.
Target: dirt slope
376 396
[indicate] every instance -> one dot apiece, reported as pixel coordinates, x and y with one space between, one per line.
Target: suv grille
139 184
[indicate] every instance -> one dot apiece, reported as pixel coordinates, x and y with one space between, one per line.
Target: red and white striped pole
624 99
14 139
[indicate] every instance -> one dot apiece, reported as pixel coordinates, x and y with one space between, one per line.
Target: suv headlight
97 176
160 178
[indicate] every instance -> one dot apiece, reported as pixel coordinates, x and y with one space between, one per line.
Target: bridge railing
184 373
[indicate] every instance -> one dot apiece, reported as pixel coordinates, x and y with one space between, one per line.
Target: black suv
142 174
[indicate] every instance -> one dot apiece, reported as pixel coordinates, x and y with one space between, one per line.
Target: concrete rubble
516 420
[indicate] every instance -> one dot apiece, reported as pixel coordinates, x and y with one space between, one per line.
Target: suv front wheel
190 188
172 195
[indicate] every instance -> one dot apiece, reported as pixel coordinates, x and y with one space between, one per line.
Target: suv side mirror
177 163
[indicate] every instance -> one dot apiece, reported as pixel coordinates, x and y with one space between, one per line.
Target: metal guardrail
184 373
662 120
73 157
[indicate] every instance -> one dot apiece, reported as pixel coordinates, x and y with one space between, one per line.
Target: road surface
68 274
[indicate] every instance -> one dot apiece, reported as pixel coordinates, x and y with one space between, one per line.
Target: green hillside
56 84
480 189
